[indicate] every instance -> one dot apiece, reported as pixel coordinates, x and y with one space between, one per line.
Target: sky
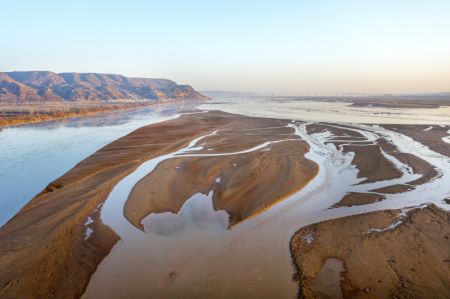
280 47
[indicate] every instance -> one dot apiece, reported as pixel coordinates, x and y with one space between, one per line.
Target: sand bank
45 250
381 257
199 204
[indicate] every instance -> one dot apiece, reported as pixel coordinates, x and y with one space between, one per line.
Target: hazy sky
285 47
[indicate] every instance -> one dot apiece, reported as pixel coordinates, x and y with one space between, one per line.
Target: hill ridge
47 86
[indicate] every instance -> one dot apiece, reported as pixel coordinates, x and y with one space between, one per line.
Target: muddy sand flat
208 200
431 136
378 255
44 250
242 184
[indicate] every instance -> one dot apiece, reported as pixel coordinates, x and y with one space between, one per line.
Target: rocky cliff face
39 86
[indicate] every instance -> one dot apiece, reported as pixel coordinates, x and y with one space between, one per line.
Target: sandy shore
242 185
15 115
339 110
384 254
210 200
429 135
365 257
373 157
47 235
46 240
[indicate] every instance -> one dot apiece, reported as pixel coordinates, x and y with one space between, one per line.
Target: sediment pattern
388 235
210 200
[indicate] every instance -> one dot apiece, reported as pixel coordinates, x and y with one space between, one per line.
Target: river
192 253
32 156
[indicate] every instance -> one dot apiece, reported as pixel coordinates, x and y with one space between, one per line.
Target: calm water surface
32 156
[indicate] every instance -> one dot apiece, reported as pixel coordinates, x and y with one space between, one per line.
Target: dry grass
11 115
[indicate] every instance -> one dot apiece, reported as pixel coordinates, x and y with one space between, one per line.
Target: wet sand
242 185
429 135
205 205
45 241
337 110
172 247
49 234
410 260
382 254
28 113
373 166
376 160
251 250
355 198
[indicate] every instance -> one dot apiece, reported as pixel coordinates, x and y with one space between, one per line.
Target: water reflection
197 214
31 156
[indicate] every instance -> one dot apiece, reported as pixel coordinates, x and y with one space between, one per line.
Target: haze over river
329 111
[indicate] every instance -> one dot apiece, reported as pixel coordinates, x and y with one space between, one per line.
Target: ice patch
89 230
98 206
391 226
309 238
338 112
446 139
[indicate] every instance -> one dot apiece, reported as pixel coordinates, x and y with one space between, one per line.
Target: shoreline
61 232
50 240
319 110
58 111
407 250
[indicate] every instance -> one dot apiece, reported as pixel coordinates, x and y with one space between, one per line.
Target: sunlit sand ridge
215 201
172 250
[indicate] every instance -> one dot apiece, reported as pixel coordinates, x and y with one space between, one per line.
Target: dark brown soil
409 261
355 199
431 138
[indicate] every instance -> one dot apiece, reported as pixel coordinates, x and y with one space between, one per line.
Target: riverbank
52 148
395 242
49 234
385 254
14 115
201 203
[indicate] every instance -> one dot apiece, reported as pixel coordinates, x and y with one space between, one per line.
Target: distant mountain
40 86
